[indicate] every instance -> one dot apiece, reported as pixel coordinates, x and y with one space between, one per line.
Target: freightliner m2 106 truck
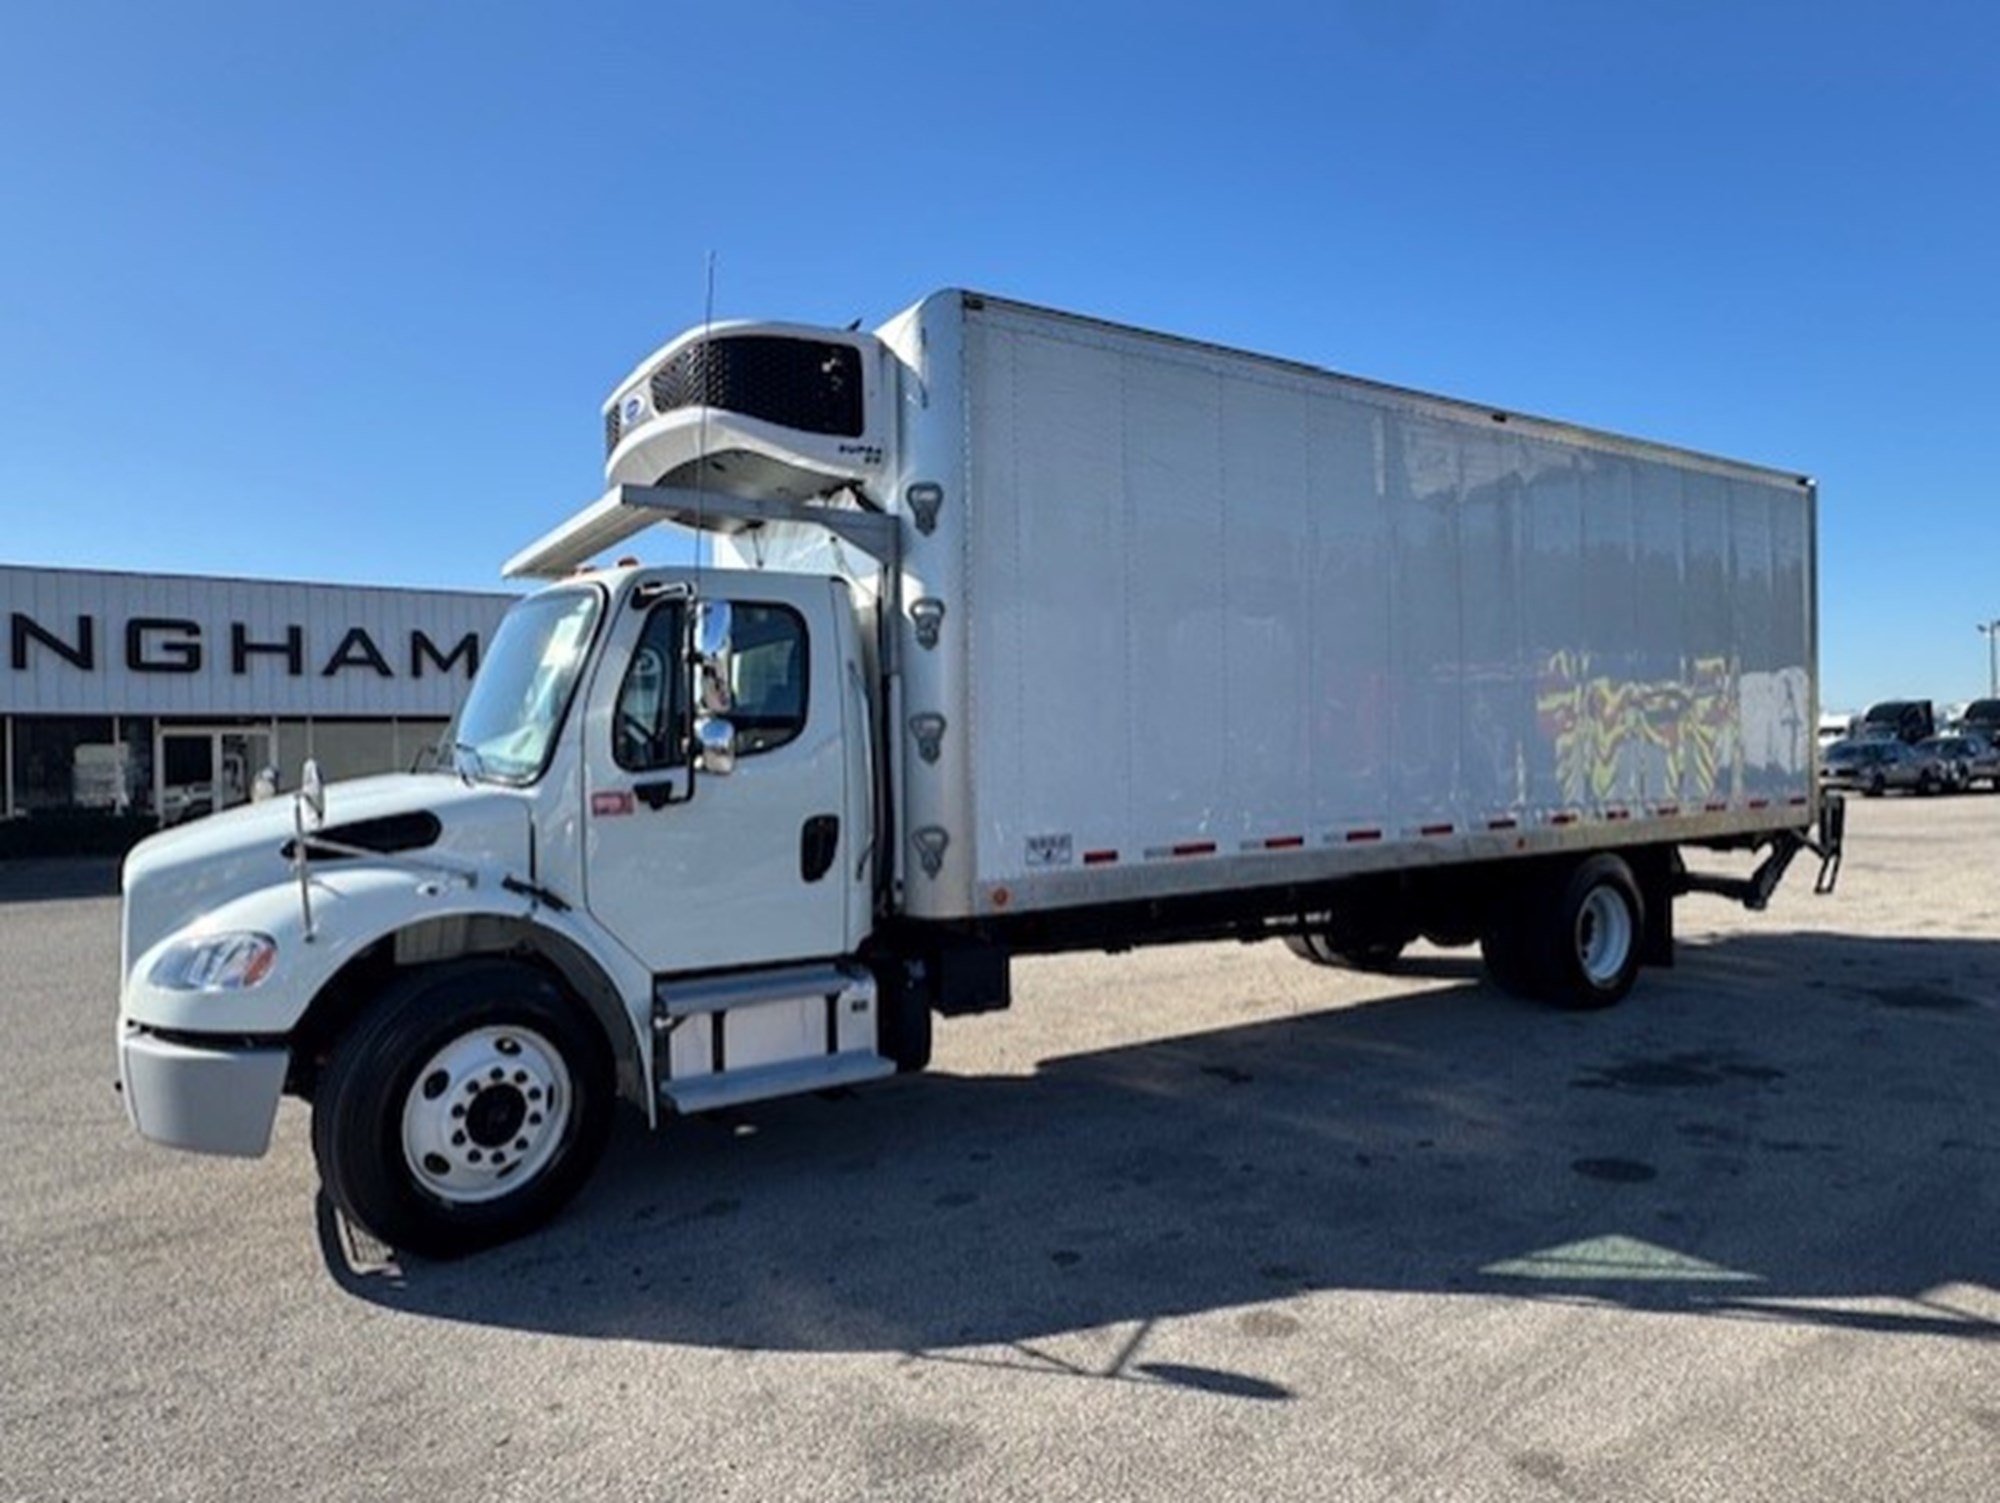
1014 632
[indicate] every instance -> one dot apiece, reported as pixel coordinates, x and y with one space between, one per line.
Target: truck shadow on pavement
1786 1128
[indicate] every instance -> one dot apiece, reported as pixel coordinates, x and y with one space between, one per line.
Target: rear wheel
467 1107
1588 940
1504 948
1358 955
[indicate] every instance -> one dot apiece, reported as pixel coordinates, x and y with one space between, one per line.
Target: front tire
465 1108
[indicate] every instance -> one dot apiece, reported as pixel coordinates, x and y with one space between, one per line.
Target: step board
705 1093
680 999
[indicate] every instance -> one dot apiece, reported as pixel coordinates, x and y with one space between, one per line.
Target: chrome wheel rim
485 1114
1603 936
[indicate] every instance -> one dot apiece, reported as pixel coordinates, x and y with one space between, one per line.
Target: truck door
706 871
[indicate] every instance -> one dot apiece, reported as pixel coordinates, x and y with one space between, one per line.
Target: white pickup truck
1023 632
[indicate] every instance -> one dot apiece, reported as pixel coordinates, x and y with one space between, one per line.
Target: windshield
508 724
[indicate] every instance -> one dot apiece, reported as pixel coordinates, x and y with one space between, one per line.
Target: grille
611 429
806 384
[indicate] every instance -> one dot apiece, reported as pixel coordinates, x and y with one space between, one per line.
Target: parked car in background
1983 716
1910 720
181 802
1968 757
1874 766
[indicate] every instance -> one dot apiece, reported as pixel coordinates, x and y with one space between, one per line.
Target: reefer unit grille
811 385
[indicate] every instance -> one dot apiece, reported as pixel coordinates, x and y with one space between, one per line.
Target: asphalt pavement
1200 1223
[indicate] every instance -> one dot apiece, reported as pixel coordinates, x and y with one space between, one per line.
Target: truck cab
644 864
697 835
648 864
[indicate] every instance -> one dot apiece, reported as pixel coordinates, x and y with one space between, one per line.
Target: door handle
819 843
658 795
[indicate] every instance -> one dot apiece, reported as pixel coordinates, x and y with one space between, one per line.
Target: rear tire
1373 955
466 1107
1311 947
1589 935
1505 949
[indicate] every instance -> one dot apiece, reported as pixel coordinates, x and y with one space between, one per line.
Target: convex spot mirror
715 745
312 795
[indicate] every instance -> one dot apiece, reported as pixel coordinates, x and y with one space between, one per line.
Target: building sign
81 642
159 645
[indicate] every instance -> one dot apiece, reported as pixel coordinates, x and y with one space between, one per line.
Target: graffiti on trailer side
1692 738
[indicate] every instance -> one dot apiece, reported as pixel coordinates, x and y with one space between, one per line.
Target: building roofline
252 579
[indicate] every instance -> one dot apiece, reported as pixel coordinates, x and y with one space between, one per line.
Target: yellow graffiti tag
1616 737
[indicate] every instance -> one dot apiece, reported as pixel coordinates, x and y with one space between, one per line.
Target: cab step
752 1036
707 1093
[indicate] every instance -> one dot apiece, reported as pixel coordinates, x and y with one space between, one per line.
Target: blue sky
335 293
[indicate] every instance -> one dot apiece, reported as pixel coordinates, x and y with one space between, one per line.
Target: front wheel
466 1108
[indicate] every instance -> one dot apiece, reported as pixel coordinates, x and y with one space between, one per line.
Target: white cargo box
1214 620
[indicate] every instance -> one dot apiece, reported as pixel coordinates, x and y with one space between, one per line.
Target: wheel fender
613 987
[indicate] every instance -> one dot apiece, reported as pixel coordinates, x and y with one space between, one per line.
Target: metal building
169 694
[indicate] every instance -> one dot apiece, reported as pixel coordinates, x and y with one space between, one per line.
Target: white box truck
1020 632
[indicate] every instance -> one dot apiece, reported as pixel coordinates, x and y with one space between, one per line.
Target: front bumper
207 1097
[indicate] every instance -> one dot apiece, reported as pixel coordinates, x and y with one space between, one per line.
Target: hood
173 877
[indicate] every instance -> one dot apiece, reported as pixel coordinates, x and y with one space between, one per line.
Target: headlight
215 963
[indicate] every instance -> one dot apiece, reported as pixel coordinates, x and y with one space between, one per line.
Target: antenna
701 442
695 604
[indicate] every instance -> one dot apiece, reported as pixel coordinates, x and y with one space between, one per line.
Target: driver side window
769 686
651 709
769 680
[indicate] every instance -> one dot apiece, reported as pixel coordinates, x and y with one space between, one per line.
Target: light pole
1991 631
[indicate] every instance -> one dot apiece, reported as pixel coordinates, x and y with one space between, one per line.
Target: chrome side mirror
712 624
713 670
715 745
